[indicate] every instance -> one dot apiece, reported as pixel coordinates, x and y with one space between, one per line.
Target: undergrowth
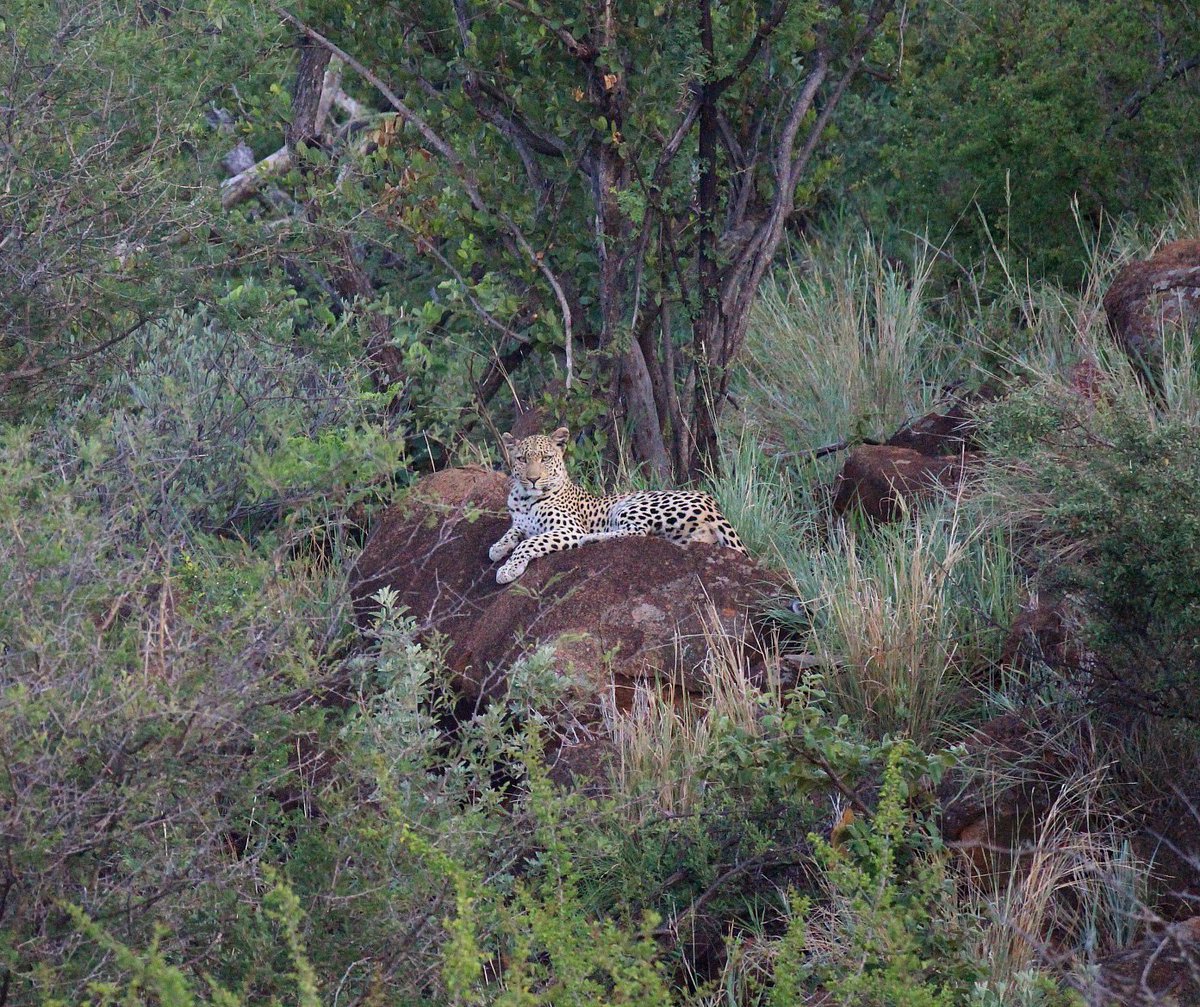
217 790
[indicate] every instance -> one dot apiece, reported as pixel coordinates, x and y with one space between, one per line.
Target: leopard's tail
728 537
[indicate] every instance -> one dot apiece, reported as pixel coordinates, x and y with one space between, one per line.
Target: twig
818 760
29 371
783 858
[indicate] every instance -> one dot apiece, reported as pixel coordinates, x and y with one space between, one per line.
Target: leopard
550 513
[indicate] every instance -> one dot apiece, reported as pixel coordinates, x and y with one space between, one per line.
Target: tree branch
29 371
580 50
466 178
765 29
1131 107
244 184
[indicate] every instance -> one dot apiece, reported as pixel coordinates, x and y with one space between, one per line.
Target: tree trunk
632 382
706 332
352 283
306 94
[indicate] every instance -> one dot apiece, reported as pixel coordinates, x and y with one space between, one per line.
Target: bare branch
244 184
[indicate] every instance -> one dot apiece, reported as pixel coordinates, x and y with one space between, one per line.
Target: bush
1014 122
1112 487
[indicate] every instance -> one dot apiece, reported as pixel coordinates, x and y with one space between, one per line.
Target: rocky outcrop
1159 293
617 613
432 549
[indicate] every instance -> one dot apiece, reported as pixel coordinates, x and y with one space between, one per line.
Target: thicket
1024 125
214 790
1106 476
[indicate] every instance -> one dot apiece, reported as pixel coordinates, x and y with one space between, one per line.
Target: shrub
1112 488
207 428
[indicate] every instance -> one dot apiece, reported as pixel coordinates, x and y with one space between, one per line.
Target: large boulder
1152 295
618 613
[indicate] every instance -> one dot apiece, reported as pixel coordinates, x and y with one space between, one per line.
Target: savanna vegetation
263 266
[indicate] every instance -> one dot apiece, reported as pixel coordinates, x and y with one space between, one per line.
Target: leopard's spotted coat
550 513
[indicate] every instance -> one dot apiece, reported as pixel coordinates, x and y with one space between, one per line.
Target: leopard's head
537 462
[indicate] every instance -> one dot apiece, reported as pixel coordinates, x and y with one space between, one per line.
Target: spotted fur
550 513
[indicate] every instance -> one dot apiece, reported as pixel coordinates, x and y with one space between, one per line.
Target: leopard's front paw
499 551
510 571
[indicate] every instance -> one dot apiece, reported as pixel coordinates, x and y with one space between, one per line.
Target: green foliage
885 928
107 177
532 213
553 949
1117 482
152 980
887 892
141 675
1008 114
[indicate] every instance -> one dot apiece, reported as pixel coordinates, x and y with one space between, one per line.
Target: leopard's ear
508 440
561 436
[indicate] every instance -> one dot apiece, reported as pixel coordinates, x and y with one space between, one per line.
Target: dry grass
665 741
1076 891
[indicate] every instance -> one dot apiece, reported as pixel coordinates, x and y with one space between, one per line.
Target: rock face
1156 294
885 480
617 612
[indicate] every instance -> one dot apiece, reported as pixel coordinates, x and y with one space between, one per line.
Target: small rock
938 434
1040 633
884 480
1158 293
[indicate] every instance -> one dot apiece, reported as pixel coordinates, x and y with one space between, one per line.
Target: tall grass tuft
1077 884
774 503
899 616
843 345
